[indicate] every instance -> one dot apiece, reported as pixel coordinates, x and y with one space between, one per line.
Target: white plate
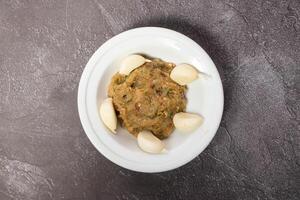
205 96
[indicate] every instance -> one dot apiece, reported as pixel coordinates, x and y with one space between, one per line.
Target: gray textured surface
44 46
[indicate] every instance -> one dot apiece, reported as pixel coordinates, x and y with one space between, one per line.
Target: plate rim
81 103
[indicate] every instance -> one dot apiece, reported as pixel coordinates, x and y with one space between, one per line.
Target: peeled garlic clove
187 122
108 114
184 74
149 143
130 63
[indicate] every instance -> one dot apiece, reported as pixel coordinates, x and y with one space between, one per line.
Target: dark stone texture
44 152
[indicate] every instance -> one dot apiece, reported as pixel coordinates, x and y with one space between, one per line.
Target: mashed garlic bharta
147 99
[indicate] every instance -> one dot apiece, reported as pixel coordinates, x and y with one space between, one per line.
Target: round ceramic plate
205 97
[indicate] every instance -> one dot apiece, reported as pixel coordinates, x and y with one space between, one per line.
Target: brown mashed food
147 99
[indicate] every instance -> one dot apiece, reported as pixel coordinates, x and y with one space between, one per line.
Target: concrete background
44 152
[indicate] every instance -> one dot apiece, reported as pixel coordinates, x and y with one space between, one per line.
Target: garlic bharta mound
147 99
